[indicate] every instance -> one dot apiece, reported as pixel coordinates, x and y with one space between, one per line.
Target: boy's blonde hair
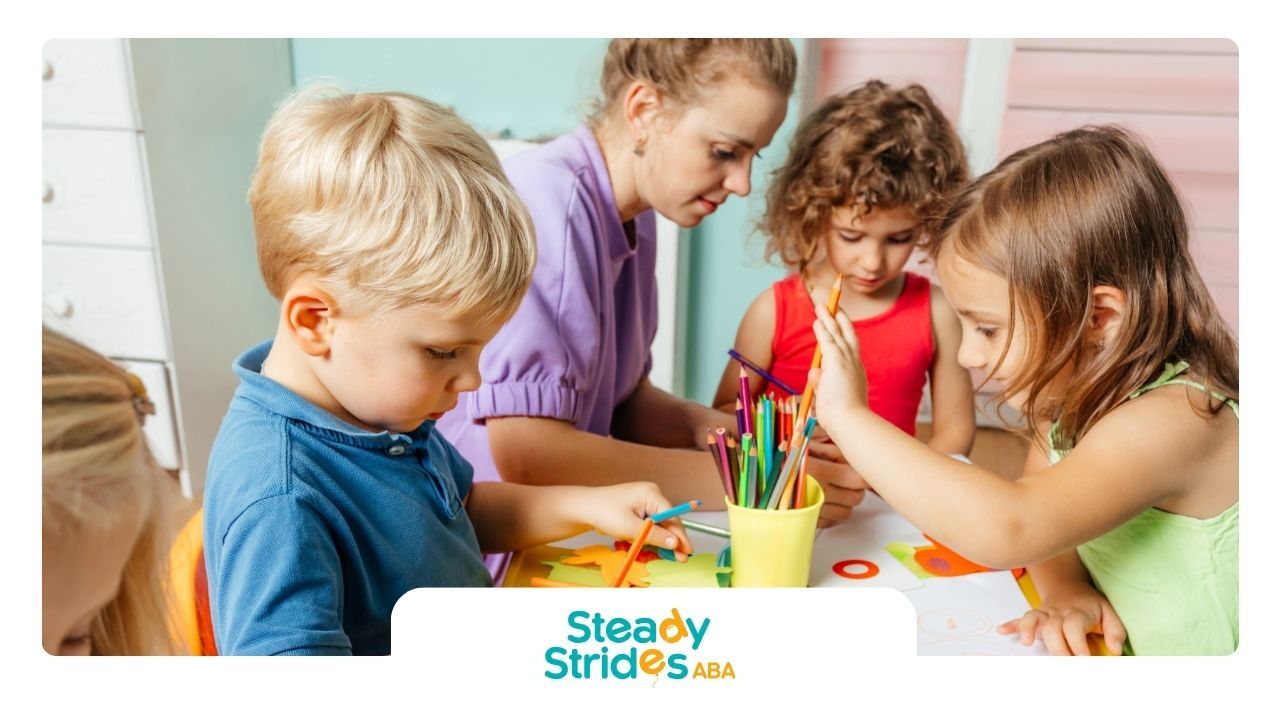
392 201
98 476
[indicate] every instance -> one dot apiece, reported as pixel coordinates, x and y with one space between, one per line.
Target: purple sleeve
543 362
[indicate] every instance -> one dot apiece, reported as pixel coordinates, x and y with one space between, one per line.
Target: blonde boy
397 249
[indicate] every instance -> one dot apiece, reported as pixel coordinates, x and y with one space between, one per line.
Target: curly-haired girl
864 170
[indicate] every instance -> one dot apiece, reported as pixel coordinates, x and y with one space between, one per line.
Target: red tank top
896 346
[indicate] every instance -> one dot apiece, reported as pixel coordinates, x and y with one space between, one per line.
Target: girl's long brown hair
1086 208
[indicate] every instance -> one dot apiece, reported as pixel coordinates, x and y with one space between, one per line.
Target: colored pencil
762 373
744 396
715 458
739 413
633 552
676 511
833 302
724 461
735 471
753 482
705 529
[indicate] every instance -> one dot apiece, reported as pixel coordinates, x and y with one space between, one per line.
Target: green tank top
1174 580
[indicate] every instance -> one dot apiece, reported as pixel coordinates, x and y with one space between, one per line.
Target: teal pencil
734 469
767 435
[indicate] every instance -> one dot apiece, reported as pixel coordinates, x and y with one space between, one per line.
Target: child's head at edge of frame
396 246
1069 267
105 510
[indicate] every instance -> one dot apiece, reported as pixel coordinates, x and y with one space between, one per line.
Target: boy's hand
841 383
1065 619
619 511
842 487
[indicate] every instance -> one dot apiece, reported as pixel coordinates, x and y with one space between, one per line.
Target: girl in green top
1069 269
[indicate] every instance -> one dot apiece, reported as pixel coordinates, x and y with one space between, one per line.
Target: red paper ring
871 571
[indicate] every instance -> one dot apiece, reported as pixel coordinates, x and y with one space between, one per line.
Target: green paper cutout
699 571
574 574
905 553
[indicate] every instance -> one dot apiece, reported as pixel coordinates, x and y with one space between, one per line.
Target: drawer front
86 83
161 428
94 190
108 299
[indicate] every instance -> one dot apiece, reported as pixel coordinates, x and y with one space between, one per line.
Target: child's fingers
847 334
1075 632
828 333
1113 631
1010 627
1028 625
672 535
1051 633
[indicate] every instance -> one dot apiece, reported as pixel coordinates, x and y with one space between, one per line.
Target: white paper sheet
959 616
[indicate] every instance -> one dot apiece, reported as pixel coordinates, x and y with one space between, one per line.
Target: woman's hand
619 511
821 446
842 487
1065 619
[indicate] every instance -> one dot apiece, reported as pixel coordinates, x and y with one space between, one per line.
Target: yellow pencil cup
773 548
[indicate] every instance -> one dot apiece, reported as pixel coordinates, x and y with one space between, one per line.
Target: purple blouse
579 343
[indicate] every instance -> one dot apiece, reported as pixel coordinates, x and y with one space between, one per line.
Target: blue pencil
677 510
763 373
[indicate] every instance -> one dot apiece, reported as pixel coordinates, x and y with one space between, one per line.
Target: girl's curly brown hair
872 147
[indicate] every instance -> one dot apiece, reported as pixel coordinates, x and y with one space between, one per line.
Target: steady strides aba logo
599 648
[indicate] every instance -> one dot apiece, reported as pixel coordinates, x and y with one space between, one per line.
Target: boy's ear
309 312
641 105
1109 308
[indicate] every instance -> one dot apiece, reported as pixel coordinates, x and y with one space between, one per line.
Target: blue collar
280 400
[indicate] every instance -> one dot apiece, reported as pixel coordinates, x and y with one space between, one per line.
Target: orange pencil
633 552
833 301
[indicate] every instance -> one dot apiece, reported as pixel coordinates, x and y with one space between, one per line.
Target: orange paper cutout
610 562
945 562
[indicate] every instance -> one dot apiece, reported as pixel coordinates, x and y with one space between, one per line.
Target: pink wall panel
1183 143
1199 84
1217 256
1228 299
1211 200
938 65
1180 95
1158 45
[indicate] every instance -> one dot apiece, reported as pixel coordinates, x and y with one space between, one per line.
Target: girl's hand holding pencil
841 383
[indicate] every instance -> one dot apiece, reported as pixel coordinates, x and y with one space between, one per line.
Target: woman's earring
639 148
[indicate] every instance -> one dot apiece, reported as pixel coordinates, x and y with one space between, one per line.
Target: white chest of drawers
148 252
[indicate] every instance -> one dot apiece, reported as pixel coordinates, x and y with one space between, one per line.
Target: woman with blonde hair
567 398
104 544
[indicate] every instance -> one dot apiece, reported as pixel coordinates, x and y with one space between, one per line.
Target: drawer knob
60 305
47 71
46 196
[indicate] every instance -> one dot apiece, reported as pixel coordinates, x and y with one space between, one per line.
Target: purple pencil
762 373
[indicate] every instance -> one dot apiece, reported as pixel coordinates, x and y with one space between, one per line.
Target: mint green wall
535 88
530 88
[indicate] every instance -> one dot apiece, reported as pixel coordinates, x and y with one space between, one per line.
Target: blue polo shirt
314 528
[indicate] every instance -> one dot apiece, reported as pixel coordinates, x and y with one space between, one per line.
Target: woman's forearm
541 451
